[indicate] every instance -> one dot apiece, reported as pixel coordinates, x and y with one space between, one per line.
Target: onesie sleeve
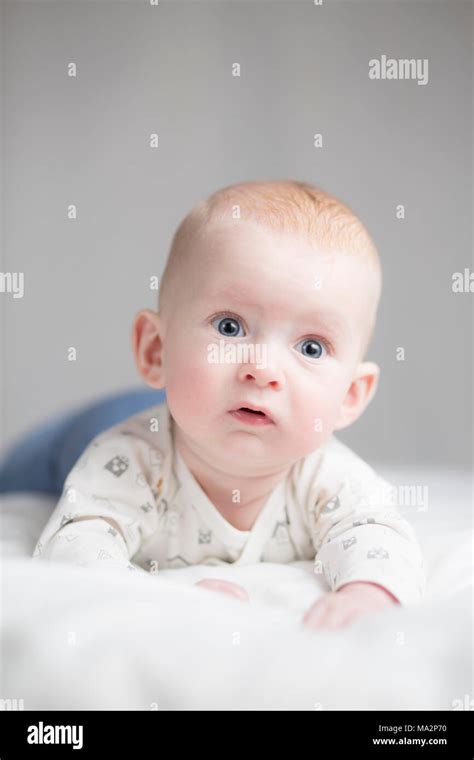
108 504
357 530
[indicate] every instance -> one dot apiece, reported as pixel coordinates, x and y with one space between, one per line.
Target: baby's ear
359 395
147 346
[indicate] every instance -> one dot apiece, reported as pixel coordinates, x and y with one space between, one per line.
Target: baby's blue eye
314 348
228 326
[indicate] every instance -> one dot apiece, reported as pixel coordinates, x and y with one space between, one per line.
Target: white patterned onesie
331 508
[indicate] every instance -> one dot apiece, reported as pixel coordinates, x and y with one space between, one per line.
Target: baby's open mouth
252 416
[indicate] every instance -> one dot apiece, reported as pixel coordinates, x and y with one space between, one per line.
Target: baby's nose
262 375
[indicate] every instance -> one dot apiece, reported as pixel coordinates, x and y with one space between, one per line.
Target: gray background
143 69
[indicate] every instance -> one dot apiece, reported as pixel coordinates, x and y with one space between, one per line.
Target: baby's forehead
293 279
247 244
284 270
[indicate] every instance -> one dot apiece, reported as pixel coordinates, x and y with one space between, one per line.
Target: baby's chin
245 453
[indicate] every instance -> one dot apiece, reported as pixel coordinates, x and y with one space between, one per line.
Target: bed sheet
87 638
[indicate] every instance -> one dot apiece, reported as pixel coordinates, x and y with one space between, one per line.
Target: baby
267 306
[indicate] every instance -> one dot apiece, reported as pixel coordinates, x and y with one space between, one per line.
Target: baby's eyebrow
328 318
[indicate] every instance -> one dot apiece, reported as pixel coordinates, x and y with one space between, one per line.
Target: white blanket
86 638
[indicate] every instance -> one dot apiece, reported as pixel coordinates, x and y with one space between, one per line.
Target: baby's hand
338 608
216 584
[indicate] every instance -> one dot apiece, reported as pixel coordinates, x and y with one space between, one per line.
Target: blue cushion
42 458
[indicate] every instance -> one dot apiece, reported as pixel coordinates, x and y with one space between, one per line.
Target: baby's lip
254 408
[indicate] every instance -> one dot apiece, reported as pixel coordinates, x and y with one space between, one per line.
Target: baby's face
299 316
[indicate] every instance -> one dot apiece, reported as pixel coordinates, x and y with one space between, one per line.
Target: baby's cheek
318 411
192 384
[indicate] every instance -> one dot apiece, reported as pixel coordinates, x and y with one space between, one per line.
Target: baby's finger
328 619
316 613
337 619
328 613
342 616
217 584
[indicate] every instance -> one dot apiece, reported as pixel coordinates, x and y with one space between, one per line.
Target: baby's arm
107 506
367 551
88 540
